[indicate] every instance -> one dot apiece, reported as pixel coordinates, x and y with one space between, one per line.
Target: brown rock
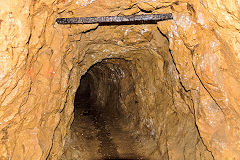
187 98
145 6
130 11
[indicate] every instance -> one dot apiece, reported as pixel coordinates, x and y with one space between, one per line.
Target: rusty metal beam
116 19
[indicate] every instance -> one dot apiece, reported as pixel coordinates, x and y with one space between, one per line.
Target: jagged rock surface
42 63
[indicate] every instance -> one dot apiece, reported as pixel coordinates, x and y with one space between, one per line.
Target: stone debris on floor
95 138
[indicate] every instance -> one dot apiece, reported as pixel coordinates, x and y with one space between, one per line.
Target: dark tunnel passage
99 117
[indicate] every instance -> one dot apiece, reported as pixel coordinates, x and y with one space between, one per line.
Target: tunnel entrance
100 129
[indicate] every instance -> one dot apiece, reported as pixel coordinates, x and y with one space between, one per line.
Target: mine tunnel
126 104
129 103
160 83
102 129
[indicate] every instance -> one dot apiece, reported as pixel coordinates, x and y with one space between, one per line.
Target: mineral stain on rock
0 23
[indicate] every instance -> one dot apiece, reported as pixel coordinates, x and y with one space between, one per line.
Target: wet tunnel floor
97 138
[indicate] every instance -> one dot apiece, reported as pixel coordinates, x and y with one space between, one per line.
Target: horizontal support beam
115 19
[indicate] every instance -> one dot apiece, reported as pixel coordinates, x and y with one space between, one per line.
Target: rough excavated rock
42 62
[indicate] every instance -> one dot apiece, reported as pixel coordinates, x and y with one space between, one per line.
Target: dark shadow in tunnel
83 93
86 104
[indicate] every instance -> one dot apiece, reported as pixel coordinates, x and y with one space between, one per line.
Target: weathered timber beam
115 19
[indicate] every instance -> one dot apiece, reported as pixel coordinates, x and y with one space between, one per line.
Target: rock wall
42 62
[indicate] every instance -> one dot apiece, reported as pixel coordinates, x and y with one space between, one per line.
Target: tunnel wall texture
42 62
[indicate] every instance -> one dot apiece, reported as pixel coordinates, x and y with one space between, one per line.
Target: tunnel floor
95 137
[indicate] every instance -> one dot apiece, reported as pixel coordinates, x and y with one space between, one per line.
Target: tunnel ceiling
194 59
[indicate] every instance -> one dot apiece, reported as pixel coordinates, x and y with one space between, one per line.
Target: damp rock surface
185 74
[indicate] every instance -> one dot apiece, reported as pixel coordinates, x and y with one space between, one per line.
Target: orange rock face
192 62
